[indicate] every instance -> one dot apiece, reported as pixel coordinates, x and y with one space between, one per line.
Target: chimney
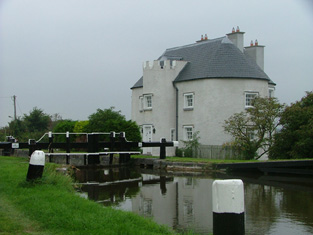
256 52
236 37
205 38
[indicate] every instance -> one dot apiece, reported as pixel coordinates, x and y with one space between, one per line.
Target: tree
295 139
108 120
253 129
17 128
192 146
81 127
62 127
31 126
37 120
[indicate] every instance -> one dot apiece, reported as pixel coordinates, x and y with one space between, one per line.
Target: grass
50 206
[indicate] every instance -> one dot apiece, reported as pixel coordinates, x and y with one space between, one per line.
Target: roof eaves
225 77
138 84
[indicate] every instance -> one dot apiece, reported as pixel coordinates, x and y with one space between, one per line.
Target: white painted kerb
37 158
228 196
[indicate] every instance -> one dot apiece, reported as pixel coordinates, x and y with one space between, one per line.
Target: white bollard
228 207
36 165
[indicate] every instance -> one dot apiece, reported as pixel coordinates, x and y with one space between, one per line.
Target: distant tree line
37 122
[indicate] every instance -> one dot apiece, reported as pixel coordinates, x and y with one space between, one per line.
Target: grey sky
74 56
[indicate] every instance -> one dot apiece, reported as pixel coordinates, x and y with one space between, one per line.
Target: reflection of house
196 87
187 201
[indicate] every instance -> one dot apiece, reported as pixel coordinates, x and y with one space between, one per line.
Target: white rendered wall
215 100
158 82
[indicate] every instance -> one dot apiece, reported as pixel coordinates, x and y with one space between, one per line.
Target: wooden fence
217 152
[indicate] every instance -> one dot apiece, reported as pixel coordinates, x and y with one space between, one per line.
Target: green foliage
17 128
34 125
108 120
105 120
62 127
81 126
253 129
191 146
295 140
179 152
37 120
31 126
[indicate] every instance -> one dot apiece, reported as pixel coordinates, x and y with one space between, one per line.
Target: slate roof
216 58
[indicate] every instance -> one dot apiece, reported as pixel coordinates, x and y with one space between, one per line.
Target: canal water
273 204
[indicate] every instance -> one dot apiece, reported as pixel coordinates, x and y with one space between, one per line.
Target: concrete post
36 165
228 207
68 146
50 141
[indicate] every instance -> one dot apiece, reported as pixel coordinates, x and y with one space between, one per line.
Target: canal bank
282 167
51 206
290 167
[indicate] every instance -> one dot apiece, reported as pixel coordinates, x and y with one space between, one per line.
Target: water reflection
273 205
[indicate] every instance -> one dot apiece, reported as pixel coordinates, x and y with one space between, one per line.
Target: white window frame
187 105
172 134
248 103
147 105
188 135
251 134
271 92
140 103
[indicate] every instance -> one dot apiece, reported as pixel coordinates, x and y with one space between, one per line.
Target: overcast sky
72 57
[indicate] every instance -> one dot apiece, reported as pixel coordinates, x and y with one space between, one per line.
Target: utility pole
14 101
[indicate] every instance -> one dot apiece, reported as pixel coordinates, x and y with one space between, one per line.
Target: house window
140 103
188 100
250 134
188 132
250 96
147 102
271 92
172 134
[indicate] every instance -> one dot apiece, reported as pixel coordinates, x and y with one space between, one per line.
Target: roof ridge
195 44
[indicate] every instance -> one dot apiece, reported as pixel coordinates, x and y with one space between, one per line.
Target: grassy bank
50 206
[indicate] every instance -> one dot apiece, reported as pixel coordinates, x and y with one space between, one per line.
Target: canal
273 204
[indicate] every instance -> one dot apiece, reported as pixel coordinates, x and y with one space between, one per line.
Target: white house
197 87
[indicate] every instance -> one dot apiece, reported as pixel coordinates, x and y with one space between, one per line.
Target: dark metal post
124 157
92 148
112 140
163 149
31 146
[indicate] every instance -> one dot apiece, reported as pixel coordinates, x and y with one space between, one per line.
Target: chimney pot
233 30
206 37
251 43
237 30
256 42
201 37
